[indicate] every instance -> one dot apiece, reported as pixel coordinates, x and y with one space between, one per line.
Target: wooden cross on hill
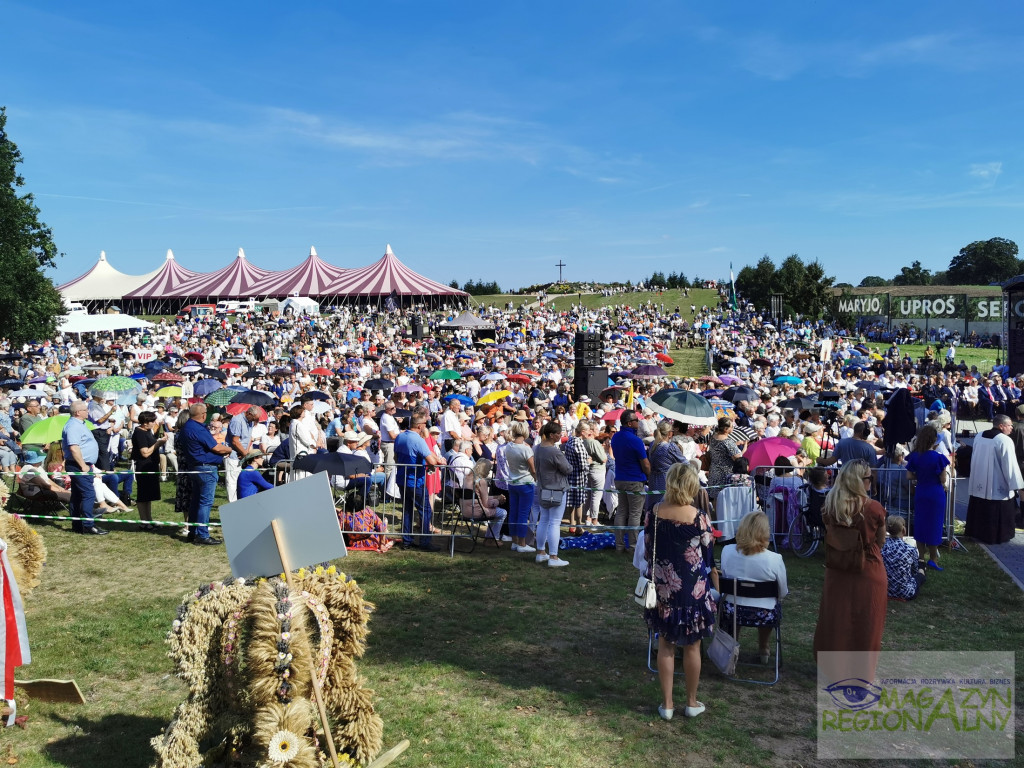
559 265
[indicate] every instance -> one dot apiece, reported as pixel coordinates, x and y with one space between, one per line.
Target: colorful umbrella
662 357
169 376
788 380
220 398
236 408
613 415
683 406
172 391
115 384
648 372
728 378
321 372
446 374
407 388
466 401
203 387
493 397
519 378
46 430
763 453
228 366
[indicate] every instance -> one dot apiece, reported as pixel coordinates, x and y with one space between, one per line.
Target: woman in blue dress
683 572
928 468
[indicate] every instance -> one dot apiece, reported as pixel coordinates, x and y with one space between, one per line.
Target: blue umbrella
704 326
853 367
788 380
466 401
203 387
137 376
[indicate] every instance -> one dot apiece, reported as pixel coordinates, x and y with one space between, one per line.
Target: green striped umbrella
220 397
445 374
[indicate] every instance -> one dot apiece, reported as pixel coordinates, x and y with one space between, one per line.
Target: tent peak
103 255
241 253
312 251
170 255
388 251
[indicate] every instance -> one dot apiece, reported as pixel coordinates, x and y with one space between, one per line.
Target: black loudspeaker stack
417 328
590 377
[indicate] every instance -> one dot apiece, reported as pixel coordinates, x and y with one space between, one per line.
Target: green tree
873 281
983 262
757 283
915 274
29 302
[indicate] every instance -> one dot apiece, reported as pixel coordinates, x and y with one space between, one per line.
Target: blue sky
493 140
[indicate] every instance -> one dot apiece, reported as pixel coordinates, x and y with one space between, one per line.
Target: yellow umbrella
488 341
493 397
168 392
408 351
875 356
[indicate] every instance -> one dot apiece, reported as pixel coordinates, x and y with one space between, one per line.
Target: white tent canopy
102 282
82 323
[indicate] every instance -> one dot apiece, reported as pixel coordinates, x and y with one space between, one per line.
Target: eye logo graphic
854 693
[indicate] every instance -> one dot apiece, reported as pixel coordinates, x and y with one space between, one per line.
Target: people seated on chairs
35 484
106 499
250 477
905 572
460 469
749 558
479 504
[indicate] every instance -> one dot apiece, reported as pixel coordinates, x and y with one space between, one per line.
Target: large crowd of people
487 420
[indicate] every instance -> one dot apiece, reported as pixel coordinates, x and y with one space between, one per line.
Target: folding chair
652 654
749 588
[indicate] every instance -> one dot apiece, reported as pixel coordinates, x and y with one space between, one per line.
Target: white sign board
306 519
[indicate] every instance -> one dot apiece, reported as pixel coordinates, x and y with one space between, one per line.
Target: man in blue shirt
80 453
240 441
412 457
203 457
631 470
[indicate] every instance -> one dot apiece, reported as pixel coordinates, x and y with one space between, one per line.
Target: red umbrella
228 366
518 378
169 376
613 415
195 355
526 372
321 372
664 358
236 408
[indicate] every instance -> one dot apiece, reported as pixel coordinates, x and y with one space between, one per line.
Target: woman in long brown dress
851 616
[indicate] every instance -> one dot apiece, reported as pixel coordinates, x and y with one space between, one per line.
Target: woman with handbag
679 547
553 471
851 616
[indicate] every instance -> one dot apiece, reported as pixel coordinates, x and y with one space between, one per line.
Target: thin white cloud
986 171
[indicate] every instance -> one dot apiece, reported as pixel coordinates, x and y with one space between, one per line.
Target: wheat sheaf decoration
25 549
247 650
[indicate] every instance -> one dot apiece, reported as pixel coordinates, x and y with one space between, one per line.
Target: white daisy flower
284 745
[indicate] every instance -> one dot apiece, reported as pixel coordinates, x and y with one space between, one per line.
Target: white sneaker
554 562
515 547
541 558
507 538
525 548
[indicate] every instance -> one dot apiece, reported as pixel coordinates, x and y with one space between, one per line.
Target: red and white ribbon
14 650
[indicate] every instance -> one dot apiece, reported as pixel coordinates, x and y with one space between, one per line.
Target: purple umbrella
711 393
649 372
730 379
409 388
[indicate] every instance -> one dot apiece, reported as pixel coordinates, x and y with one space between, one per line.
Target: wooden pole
317 693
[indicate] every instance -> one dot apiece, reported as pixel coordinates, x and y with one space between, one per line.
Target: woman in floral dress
683 572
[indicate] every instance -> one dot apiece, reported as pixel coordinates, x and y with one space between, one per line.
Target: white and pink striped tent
148 295
310 278
101 285
235 281
388 277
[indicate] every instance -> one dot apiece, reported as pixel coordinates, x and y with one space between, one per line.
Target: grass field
501 299
670 298
482 660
